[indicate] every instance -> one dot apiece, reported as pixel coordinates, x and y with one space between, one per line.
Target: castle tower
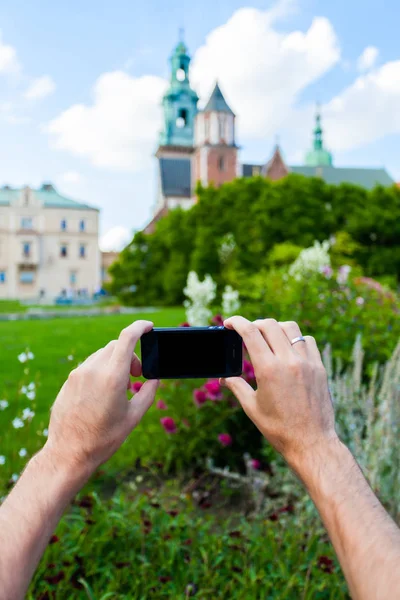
215 158
318 156
179 103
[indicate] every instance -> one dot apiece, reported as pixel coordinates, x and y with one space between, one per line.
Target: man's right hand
291 406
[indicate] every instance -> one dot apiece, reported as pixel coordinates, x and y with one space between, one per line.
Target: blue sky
81 83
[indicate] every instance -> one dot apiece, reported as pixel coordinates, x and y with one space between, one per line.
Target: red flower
185 324
199 397
217 320
136 386
326 564
161 405
255 464
248 370
225 439
54 579
213 389
54 539
169 424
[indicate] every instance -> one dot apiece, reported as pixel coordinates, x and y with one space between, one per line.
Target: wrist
71 474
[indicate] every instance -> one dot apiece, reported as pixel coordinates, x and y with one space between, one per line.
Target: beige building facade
48 245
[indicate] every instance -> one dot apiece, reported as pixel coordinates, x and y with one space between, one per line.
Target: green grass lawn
52 342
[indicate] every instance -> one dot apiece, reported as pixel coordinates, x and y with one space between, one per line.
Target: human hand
92 416
291 406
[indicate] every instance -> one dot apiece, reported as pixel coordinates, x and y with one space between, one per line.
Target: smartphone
191 352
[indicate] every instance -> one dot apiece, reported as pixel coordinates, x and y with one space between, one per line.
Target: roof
217 102
176 177
46 194
364 177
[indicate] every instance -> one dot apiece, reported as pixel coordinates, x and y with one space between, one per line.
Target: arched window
182 118
221 163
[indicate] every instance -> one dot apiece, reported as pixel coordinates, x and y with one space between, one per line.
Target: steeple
217 102
318 156
180 101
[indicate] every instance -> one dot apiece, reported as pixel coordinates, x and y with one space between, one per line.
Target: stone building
200 145
48 245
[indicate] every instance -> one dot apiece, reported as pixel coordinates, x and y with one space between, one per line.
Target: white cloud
71 177
119 130
367 58
40 88
261 70
366 110
115 239
8 58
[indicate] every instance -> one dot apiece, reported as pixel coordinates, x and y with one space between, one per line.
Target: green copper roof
47 195
217 102
318 156
366 178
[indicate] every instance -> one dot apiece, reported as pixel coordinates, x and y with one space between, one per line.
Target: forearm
28 517
366 540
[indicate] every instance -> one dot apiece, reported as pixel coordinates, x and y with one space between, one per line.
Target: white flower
22 357
23 452
31 386
3 404
2 459
226 248
31 395
27 413
45 432
14 477
30 355
311 260
70 357
230 301
200 294
17 423
343 274
24 389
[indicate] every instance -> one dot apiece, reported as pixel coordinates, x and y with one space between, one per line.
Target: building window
72 277
82 225
82 251
26 223
221 163
27 276
63 250
63 225
182 119
26 249
2 276
180 74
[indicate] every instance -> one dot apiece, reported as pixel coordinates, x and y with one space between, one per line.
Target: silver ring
298 339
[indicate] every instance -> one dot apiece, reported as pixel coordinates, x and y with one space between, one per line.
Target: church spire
318 156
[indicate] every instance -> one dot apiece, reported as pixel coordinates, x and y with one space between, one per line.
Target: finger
103 353
312 349
258 349
136 366
273 335
142 401
242 390
128 338
292 331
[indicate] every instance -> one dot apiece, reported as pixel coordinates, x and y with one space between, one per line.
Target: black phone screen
183 354
191 352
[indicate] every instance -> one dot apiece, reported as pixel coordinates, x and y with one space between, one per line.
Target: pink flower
217 320
360 301
248 370
199 397
225 439
327 271
255 463
213 389
136 386
169 424
161 405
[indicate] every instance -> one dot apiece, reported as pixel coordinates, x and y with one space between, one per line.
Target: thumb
242 390
142 401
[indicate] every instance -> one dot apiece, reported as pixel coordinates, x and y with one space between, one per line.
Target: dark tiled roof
217 102
176 177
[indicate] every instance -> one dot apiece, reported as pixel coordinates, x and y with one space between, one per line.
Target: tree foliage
269 222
